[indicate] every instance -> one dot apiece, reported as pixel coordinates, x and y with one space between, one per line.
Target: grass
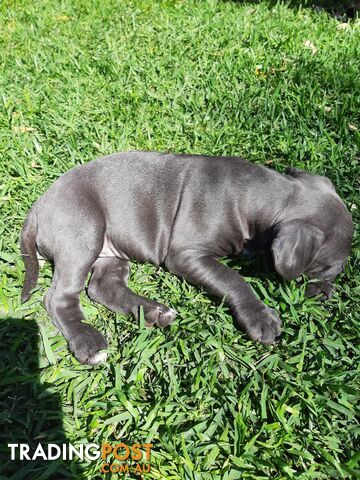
277 84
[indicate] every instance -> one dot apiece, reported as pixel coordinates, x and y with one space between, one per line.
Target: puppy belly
108 249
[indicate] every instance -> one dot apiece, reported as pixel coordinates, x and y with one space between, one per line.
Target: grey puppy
183 212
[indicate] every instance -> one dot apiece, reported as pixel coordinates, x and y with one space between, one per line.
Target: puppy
183 212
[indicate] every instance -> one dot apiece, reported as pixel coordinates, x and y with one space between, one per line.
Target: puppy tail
29 254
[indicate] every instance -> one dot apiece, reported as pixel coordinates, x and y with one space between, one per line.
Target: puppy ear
316 180
294 247
294 172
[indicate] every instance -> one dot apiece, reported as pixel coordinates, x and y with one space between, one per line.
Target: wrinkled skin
183 212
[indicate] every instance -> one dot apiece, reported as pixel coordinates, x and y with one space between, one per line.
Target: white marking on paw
170 314
98 358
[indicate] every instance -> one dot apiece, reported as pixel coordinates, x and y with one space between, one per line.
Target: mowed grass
276 84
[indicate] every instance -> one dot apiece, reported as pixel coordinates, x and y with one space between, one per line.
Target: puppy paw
324 289
159 315
264 326
86 344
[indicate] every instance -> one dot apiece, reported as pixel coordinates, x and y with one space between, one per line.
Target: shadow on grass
30 413
256 260
341 9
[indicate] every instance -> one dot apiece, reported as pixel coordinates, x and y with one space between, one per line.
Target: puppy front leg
251 315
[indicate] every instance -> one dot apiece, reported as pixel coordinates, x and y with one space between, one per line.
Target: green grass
276 84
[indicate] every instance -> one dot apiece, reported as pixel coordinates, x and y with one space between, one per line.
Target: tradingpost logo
120 458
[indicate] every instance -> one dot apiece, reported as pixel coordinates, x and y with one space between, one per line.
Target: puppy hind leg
63 304
108 286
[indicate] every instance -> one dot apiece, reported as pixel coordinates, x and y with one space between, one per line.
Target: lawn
277 84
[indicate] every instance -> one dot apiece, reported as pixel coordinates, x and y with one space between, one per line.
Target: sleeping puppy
183 212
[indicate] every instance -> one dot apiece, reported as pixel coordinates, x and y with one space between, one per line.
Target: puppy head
305 248
318 241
